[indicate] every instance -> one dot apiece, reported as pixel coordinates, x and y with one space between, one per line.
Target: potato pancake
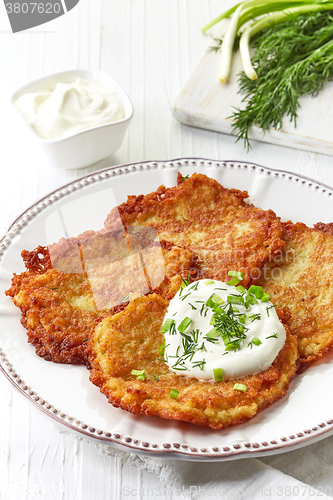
214 222
60 309
131 340
301 279
100 298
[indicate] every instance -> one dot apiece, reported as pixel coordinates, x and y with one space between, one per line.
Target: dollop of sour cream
62 109
211 326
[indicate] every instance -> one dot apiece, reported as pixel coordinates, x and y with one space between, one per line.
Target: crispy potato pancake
100 298
60 309
131 340
214 222
301 279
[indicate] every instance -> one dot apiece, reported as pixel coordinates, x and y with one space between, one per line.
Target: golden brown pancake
214 222
301 278
60 309
130 340
100 298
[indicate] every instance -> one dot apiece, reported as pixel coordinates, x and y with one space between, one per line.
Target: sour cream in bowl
78 116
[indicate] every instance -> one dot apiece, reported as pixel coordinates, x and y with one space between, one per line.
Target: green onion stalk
274 11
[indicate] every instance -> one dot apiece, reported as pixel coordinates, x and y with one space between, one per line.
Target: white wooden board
205 102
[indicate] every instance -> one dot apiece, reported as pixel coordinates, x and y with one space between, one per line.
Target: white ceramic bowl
89 146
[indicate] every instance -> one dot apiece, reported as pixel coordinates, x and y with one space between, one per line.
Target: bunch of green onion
247 12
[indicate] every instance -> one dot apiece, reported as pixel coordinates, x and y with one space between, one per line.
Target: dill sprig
291 60
199 364
217 46
190 346
228 326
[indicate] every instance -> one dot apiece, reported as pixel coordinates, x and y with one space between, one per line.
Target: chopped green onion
230 347
210 302
251 299
139 374
174 394
184 324
256 341
209 282
214 301
240 387
218 374
241 289
161 348
214 332
242 318
236 274
85 340
235 299
212 321
126 299
256 290
167 325
226 339
156 378
217 298
233 282
265 297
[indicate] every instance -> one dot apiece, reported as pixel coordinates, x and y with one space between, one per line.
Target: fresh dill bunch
292 59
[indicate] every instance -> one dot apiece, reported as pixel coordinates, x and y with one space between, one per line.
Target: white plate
64 393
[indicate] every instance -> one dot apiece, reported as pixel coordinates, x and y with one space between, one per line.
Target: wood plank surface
205 102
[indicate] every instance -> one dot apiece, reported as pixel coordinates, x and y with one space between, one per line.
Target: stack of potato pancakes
100 299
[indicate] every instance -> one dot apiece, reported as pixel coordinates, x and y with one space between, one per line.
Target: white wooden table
150 47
